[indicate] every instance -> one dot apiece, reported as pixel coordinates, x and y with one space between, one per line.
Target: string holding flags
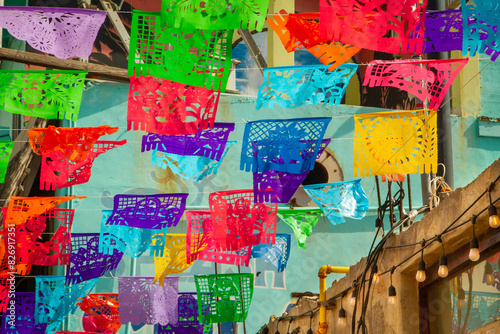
62 32
428 80
392 26
44 94
395 142
339 199
166 107
295 86
215 14
194 57
5 153
223 298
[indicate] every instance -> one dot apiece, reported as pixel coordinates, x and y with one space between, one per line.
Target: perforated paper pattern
166 107
5 152
295 86
5 283
481 28
148 211
86 262
401 142
32 250
443 31
276 187
44 94
10 265
74 143
201 243
331 53
141 301
426 79
276 254
24 316
239 222
131 241
196 57
190 167
55 300
224 298
301 222
173 260
22 209
59 172
102 309
62 32
339 199
392 26
215 14
209 143
282 145
188 317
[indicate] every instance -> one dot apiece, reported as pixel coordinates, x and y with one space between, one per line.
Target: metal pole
445 140
218 324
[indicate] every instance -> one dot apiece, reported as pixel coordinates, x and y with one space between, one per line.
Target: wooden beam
94 70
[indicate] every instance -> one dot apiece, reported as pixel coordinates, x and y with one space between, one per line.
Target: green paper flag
5 152
223 298
215 14
302 222
190 56
44 94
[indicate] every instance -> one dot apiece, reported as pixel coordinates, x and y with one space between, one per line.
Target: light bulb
420 277
494 220
392 295
489 279
461 304
474 249
443 266
375 278
342 320
354 295
488 274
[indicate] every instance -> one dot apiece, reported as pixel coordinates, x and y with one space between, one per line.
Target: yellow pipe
322 273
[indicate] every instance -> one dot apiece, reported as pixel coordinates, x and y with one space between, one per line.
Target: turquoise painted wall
127 170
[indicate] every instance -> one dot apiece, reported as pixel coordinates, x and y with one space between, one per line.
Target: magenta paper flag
426 79
62 32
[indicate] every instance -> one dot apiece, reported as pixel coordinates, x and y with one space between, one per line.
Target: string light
342 316
443 261
488 274
354 294
474 243
392 290
420 277
375 277
460 295
492 210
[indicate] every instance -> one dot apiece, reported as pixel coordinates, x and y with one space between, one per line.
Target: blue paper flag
295 86
282 145
339 199
276 254
190 167
132 241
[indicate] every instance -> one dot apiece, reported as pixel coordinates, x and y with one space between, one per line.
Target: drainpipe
322 273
